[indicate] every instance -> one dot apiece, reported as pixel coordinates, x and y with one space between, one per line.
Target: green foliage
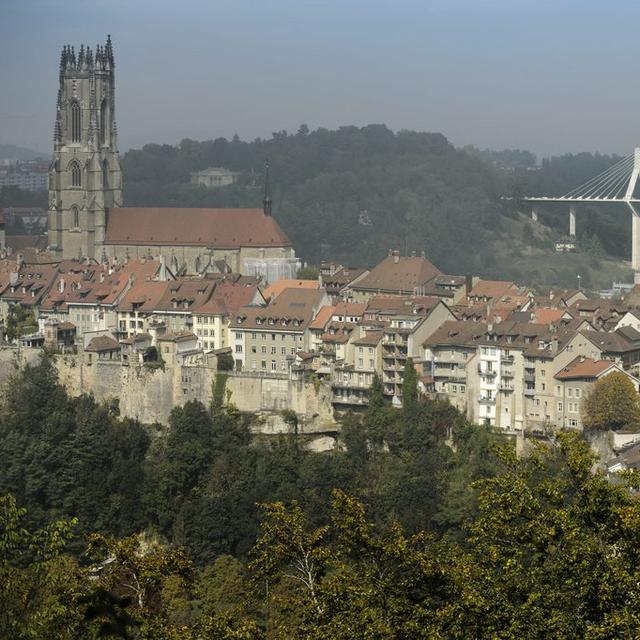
409 387
308 273
64 457
226 362
613 403
20 321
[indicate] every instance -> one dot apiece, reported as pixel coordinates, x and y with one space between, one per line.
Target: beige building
573 384
267 338
214 177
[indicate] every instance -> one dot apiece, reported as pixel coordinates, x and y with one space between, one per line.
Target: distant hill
353 193
14 152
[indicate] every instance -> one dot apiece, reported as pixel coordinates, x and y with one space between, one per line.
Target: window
264 364
577 393
76 174
105 174
542 386
238 348
75 214
283 350
274 365
76 122
254 349
253 336
273 350
293 351
264 349
558 393
103 121
559 406
542 372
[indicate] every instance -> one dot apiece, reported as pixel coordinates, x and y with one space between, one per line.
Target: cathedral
87 218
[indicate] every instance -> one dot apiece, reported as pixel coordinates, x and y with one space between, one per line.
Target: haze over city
542 76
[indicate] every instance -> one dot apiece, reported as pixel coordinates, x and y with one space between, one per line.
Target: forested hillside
353 193
422 526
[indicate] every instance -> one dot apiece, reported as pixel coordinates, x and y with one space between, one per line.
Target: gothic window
105 174
76 174
76 122
103 121
75 213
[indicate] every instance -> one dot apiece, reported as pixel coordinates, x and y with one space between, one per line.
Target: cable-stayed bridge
617 184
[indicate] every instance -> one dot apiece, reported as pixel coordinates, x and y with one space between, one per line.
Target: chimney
19 261
102 276
61 285
468 283
396 256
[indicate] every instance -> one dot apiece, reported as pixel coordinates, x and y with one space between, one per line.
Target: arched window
75 215
76 122
103 121
105 174
76 174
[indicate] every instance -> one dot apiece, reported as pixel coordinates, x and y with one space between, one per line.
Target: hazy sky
546 75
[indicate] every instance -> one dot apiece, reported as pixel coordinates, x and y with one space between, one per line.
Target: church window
76 122
76 174
105 174
75 216
103 121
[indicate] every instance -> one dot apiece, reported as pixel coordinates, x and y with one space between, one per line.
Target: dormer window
258 320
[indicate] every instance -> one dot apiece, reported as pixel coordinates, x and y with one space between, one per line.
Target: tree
38 586
613 403
409 387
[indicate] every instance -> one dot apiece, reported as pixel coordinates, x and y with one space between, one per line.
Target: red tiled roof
219 228
321 320
583 368
276 288
548 316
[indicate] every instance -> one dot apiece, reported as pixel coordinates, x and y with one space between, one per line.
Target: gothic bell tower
85 177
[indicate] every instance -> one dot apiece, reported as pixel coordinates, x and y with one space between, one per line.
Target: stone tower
85 177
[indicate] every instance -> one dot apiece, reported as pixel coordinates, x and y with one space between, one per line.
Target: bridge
615 185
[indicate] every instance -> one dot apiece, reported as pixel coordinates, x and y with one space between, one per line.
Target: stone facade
85 177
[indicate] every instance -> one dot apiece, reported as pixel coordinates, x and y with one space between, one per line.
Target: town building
214 177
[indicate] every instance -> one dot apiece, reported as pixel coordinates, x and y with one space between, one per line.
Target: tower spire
266 202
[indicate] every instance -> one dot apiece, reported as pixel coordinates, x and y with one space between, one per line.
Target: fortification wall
150 394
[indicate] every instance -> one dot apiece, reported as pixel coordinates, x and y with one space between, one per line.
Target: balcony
507 388
486 372
350 400
486 401
530 392
529 377
506 359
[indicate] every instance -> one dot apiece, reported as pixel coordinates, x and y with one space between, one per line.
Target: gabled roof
322 318
218 228
292 310
400 274
102 343
276 288
582 367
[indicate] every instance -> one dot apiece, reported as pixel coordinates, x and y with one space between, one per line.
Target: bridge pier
635 246
572 221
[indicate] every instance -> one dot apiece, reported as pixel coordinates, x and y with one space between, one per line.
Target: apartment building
573 384
268 338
